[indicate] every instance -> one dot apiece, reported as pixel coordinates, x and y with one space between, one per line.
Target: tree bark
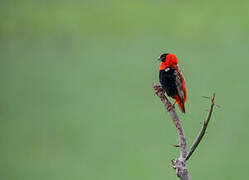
179 164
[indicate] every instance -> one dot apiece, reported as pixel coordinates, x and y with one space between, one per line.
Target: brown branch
203 129
178 164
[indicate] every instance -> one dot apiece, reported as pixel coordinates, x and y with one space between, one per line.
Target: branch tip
176 145
203 129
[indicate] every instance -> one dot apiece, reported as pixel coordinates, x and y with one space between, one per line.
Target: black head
163 57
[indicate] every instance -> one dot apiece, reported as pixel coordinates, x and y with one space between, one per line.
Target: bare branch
203 129
178 164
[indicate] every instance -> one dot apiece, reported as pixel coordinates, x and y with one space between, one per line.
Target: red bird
172 80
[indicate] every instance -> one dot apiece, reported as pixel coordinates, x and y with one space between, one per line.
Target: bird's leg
174 104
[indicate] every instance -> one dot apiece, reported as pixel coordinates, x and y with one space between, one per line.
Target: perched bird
172 80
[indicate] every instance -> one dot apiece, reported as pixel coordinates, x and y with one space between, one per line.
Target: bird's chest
167 79
167 76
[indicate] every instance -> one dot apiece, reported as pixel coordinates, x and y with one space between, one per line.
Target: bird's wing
180 85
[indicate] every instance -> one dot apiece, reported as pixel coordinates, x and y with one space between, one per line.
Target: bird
172 80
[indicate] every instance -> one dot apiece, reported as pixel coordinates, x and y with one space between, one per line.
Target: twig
178 164
217 105
203 129
175 145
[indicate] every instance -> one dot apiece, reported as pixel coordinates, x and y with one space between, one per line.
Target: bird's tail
180 104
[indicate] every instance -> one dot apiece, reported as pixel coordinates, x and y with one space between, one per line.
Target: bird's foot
174 104
170 107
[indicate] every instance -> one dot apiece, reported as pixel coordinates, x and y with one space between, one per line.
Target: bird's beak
158 58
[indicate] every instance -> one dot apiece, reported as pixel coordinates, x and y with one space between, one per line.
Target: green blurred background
76 100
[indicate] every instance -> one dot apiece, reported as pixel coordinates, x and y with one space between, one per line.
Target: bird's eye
163 57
